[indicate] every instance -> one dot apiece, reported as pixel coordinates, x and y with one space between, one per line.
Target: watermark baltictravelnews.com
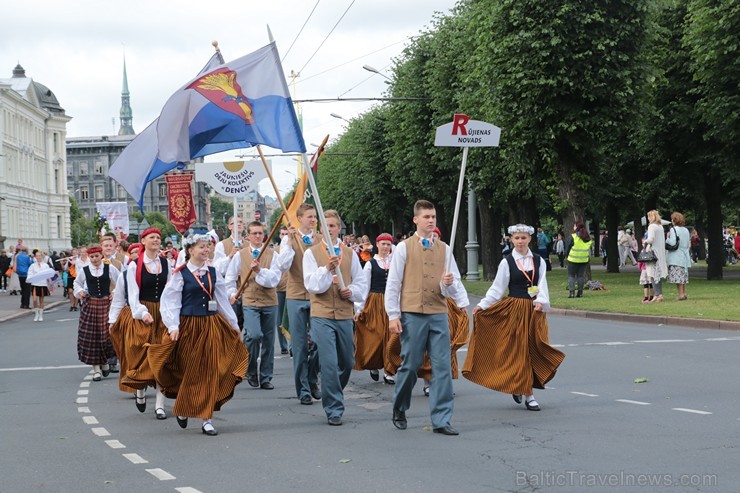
580 478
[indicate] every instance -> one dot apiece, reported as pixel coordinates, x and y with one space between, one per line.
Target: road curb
694 323
22 313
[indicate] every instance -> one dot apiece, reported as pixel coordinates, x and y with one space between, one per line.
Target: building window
99 192
83 169
84 193
99 168
121 192
60 231
162 189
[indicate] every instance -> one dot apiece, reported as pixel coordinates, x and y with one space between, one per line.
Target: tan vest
295 289
421 276
283 284
329 304
115 262
254 294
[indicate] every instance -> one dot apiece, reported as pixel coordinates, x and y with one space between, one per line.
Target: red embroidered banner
180 200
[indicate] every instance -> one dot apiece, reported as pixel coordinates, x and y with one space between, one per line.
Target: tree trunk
713 198
612 223
596 232
701 230
489 239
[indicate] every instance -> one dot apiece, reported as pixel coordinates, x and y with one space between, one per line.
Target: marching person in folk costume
40 287
146 278
119 316
305 355
509 349
332 311
259 302
108 242
202 359
93 288
227 248
415 300
371 320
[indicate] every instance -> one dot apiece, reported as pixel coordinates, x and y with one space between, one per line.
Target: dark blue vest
98 287
379 277
518 283
194 299
152 285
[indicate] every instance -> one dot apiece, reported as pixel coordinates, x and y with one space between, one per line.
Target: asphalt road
597 431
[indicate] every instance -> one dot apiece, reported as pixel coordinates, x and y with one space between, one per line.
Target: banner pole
274 185
460 184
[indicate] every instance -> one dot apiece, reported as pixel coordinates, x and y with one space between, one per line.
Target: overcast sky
76 49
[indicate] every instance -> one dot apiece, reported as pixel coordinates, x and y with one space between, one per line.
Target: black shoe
426 390
446 430
399 419
572 294
375 375
160 413
290 351
267 386
211 432
306 400
283 351
532 407
335 421
389 379
580 294
71 308
182 421
315 392
253 382
141 403
105 369
114 369
517 398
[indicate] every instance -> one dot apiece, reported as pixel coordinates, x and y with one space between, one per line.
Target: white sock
140 393
160 399
96 368
529 398
207 425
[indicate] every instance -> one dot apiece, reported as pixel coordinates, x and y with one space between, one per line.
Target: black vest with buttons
152 285
379 277
518 283
98 287
194 298
125 288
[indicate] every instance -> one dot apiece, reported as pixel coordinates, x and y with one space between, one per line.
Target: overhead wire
363 81
300 31
327 37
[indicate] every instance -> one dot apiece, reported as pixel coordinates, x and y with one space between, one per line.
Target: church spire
126 113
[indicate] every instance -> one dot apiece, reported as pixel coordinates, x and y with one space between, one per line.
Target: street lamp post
340 117
375 71
472 245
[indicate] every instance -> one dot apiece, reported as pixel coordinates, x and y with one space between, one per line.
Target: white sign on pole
232 178
116 214
464 132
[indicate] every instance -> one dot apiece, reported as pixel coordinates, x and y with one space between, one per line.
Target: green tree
221 211
83 230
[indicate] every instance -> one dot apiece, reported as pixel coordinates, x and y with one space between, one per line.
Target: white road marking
585 394
83 409
667 340
84 384
160 474
639 403
462 350
30 368
81 400
557 345
136 459
723 339
115 444
614 343
187 489
65 319
90 420
87 377
83 392
101 432
694 411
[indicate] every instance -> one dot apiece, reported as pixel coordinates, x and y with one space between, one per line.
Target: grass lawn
711 300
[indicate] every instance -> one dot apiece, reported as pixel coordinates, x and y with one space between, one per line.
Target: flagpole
235 230
274 185
460 184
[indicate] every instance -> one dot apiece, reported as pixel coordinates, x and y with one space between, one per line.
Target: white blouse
318 279
169 308
501 282
35 268
119 300
138 309
80 284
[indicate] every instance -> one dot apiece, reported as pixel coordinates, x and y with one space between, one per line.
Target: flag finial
269 34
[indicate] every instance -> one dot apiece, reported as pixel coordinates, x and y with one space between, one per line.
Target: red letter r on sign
459 122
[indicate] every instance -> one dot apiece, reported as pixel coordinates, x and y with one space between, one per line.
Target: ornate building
34 205
89 158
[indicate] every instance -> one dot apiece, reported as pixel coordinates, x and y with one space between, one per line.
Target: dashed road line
84 384
83 409
160 474
83 392
665 340
693 411
585 394
136 459
90 420
187 489
639 403
101 432
33 368
114 444
81 400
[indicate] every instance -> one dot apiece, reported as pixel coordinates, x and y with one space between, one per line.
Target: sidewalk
10 305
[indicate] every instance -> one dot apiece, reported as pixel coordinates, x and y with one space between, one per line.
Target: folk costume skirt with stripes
130 337
371 334
509 349
93 342
459 323
202 368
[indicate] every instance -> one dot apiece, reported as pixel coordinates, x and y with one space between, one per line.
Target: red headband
134 246
149 231
384 237
92 250
436 230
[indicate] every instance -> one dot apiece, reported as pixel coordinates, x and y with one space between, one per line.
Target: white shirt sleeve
316 279
114 274
119 301
80 284
169 308
269 278
138 309
287 253
222 301
367 271
233 271
456 290
395 282
360 284
544 293
499 286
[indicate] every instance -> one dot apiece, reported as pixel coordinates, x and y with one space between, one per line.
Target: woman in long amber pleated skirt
371 333
202 368
509 349
459 324
117 338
